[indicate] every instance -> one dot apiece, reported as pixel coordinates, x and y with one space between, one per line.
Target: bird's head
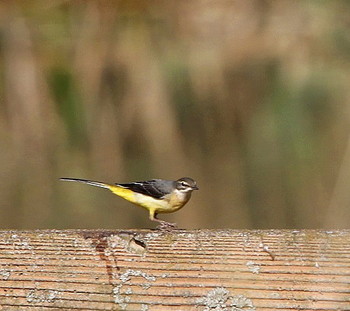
186 184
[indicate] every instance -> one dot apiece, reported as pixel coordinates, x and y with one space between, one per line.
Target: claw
166 226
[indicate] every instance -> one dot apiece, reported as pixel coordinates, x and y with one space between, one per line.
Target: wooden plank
221 270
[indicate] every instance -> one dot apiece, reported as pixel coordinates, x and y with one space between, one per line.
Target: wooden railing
202 270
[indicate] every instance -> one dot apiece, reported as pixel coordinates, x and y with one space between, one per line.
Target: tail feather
89 182
126 194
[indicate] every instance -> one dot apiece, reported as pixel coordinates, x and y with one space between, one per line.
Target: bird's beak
195 188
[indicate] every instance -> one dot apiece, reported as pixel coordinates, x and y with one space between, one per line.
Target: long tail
120 191
89 182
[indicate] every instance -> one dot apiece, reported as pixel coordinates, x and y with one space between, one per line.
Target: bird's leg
164 225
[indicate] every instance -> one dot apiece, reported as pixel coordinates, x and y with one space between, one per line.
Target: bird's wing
154 188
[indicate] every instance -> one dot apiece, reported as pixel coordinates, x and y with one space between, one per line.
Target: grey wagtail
156 195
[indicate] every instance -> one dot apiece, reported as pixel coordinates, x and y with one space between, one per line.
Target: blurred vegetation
250 98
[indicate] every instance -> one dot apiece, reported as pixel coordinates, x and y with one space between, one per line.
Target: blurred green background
250 98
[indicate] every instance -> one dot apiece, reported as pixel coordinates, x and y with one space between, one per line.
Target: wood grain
221 270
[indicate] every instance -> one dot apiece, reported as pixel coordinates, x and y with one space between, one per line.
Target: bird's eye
183 184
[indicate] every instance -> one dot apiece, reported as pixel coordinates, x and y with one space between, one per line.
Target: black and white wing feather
155 188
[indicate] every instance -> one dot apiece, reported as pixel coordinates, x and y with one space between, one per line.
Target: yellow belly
168 204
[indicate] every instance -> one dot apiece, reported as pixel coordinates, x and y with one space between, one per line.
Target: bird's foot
166 226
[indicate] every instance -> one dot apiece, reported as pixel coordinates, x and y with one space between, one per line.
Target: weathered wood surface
221 270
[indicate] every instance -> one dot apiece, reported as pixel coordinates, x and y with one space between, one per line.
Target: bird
156 195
